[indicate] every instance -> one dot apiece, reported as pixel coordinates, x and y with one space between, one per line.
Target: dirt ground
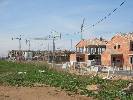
36 93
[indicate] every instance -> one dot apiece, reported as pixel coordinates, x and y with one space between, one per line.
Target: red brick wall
106 59
72 57
86 57
124 49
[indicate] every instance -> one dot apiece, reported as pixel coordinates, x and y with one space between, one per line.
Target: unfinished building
87 50
119 51
58 56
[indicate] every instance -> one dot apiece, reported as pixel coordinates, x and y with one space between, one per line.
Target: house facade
119 52
89 50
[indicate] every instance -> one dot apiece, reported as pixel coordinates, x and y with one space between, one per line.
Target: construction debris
41 71
93 87
128 89
21 73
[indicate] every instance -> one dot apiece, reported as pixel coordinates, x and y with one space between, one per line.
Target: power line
104 18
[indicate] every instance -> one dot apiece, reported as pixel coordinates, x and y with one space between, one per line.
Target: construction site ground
50 93
37 93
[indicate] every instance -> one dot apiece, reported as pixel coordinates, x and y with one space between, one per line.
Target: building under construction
115 52
58 56
119 51
89 50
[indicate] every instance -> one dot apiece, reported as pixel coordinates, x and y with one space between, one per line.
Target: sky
38 18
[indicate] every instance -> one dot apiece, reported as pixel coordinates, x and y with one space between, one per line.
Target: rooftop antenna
81 29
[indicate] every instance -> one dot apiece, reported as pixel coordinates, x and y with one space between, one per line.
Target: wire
104 18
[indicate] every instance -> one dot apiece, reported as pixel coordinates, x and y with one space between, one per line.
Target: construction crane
28 43
19 39
54 36
82 27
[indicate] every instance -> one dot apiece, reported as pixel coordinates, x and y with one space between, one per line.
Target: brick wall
119 44
73 57
106 59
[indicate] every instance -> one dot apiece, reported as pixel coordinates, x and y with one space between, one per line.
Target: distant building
119 52
28 55
23 54
58 56
89 50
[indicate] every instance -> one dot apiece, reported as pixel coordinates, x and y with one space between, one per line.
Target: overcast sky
37 18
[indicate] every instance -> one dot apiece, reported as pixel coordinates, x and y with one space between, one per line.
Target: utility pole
19 39
48 46
48 53
28 42
53 53
71 44
82 27
53 44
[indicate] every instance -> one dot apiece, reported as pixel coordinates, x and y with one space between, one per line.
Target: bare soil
37 93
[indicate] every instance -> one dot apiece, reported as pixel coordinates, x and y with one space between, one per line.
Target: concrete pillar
84 49
76 49
96 50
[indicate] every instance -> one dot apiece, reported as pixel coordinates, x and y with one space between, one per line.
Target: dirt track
36 93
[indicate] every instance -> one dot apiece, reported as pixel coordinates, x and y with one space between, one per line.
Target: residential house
119 51
89 50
